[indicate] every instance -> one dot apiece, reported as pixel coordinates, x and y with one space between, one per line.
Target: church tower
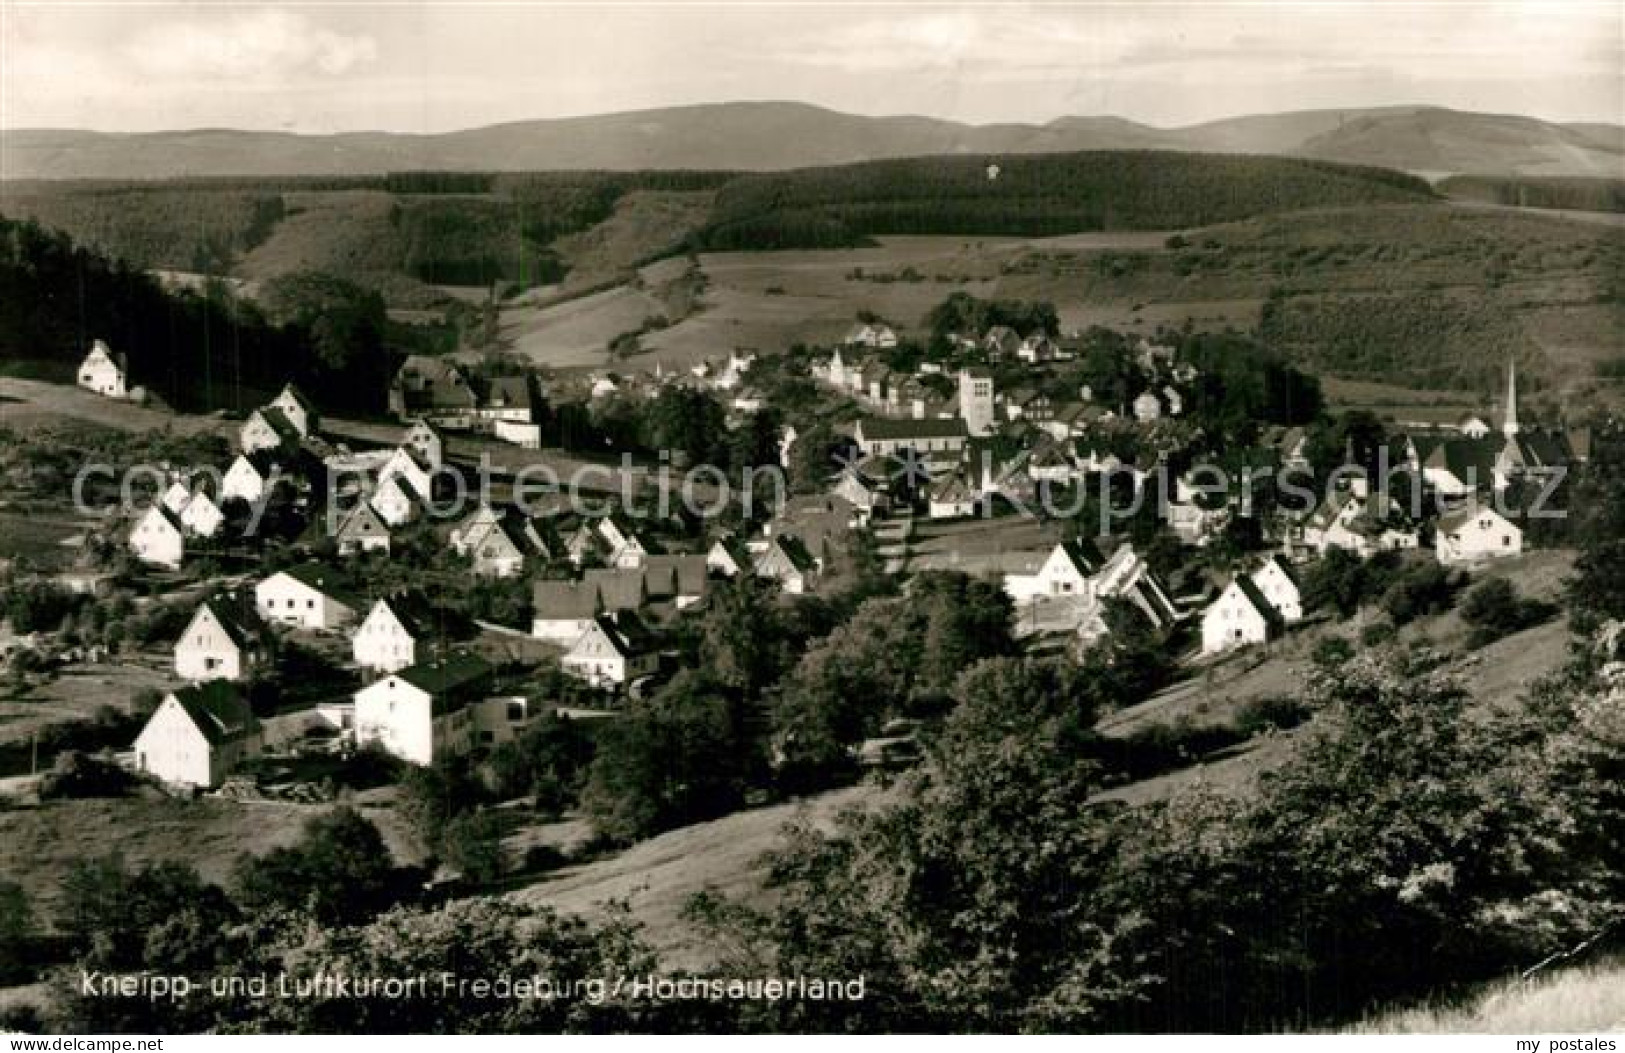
1510 426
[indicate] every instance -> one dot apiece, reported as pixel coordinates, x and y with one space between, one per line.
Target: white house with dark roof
247 479
397 500
309 596
1277 583
612 652
426 441
425 711
267 428
225 640
197 736
105 373
158 538
1240 616
202 517
394 634
1474 533
299 411
403 463
1066 571
496 542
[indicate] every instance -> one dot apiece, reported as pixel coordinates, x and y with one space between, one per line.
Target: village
940 464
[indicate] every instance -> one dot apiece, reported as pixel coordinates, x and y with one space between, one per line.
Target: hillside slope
773 136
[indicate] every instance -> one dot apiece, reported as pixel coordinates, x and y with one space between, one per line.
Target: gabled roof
685 575
565 600
792 551
510 391
218 710
625 633
412 612
327 581
1466 458
1453 521
236 617
278 422
291 390
1083 554
449 678
166 515
363 521
1257 600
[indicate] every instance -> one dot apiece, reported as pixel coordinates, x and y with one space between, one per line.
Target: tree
680 757
548 761
472 845
340 872
1494 609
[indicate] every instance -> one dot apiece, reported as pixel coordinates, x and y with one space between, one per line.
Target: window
516 712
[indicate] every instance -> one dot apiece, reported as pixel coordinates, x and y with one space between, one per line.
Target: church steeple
1510 426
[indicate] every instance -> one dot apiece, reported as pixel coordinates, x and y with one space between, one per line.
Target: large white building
197 735
309 596
423 712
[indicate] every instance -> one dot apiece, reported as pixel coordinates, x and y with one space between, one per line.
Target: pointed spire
1510 426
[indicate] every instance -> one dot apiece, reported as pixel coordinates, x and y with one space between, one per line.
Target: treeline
1034 196
1573 192
1468 336
198 228
198 351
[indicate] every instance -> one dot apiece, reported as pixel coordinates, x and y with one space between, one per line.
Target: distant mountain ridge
773 136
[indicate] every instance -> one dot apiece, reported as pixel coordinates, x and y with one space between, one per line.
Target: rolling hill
773 136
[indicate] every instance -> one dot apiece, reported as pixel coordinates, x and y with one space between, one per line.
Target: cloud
266 45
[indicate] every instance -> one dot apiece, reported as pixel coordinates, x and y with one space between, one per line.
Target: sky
425 67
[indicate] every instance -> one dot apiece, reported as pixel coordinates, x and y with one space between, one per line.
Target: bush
1272 714
1424 589
1494 609
1332 651
76 774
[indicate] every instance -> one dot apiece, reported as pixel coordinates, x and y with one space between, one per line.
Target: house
105 373
1475 533
1000 342
494 542
883 435
563 610
1457 466
197 736
611 652
202 517
1066 571
727 558
158 538
1358 522
787 561
249 478
952 496
394 634
1473 426
309 596
426 442
1038 347
403 464
1125 576
685 580
267 428
397 500
870 334
1277 583
511 399
865 486
176 495
225 640
423 712
297 410
625 547
1240 616
432 389
362 530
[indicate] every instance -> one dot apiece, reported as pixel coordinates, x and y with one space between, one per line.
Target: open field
78 691
1577 1000
39 845
28 404
657 877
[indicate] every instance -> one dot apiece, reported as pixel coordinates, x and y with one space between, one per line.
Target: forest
1031 196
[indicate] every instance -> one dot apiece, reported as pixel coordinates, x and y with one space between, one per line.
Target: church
1477 460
